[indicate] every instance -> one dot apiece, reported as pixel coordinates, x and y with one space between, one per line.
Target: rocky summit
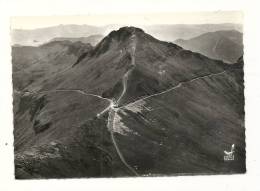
131 105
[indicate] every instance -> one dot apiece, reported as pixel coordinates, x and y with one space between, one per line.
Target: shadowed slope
178 111
222 45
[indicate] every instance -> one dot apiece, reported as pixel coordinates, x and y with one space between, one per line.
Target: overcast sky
30 22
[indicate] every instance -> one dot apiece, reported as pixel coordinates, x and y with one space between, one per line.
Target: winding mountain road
173 88
126 75
113 108
110 125
72 90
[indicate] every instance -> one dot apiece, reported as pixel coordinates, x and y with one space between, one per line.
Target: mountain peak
124 33
131 29
118 38
121 38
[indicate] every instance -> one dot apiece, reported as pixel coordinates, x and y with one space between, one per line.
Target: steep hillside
158 65
186 129
57 134
221 45
34 65
130 106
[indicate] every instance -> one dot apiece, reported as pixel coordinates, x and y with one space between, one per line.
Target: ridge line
172 88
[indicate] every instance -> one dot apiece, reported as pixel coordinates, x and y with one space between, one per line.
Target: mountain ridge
38 36
131 106
159 54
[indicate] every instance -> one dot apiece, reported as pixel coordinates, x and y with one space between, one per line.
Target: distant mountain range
92 39
178 110
222 45
170 33
39 36
185 31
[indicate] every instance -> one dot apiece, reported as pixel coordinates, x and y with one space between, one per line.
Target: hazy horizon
137 26
138 20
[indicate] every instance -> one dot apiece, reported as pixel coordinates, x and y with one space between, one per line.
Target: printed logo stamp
229 155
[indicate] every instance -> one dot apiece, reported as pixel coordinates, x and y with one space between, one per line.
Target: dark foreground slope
187 129
58 135
222 45
179 112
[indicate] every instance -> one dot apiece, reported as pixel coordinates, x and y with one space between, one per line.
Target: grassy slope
187 130
58 135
